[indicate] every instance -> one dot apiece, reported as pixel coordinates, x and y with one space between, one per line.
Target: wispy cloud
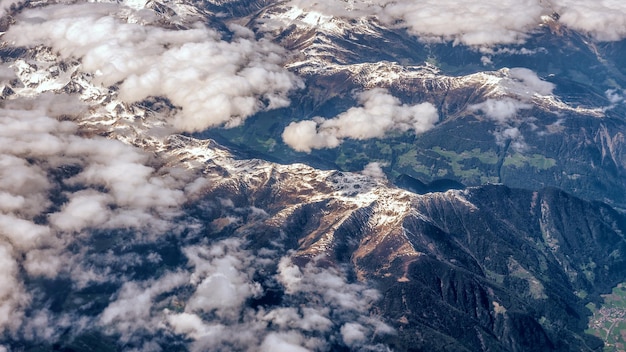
520 87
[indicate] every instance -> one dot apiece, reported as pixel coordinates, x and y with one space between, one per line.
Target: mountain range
336 176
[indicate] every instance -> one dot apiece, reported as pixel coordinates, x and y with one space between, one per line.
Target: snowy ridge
427 78
135 124
325 45
281 16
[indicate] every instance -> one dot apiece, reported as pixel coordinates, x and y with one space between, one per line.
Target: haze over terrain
255 175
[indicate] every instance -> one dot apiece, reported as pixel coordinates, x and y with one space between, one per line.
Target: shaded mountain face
122 227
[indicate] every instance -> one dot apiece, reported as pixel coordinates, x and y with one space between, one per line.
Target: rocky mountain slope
546 131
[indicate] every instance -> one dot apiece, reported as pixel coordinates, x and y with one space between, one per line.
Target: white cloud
379 113
306 135
525 83
482 23
500 110
353 334
505 112
614 96
306 319
374 170
604 19
466 22
23 234
511 135
283 342
84 209
133 310
317 303
23 185
112 186
353 298
43 325
44 262
63 190
214 82
520 86
13 299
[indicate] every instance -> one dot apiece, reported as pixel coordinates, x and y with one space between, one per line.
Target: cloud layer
66 194
106 224
321 310
56 187
483 23
214 82
379 113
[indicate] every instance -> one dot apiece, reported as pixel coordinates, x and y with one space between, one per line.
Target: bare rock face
488 266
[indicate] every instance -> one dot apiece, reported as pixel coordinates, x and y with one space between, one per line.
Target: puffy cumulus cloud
505 112
214 82
520 85
604 19
319 311
57 185
95 212
283 342
84 209
117 174
483 23
466 22
13 298
23 234
614 96
374 170
29 143
379 113
306 135
22 185
350 302
353 334
86 212
526 81
328 282
123 171
131 314
306 319
44 325
525 84
216 314
223 278
500 110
